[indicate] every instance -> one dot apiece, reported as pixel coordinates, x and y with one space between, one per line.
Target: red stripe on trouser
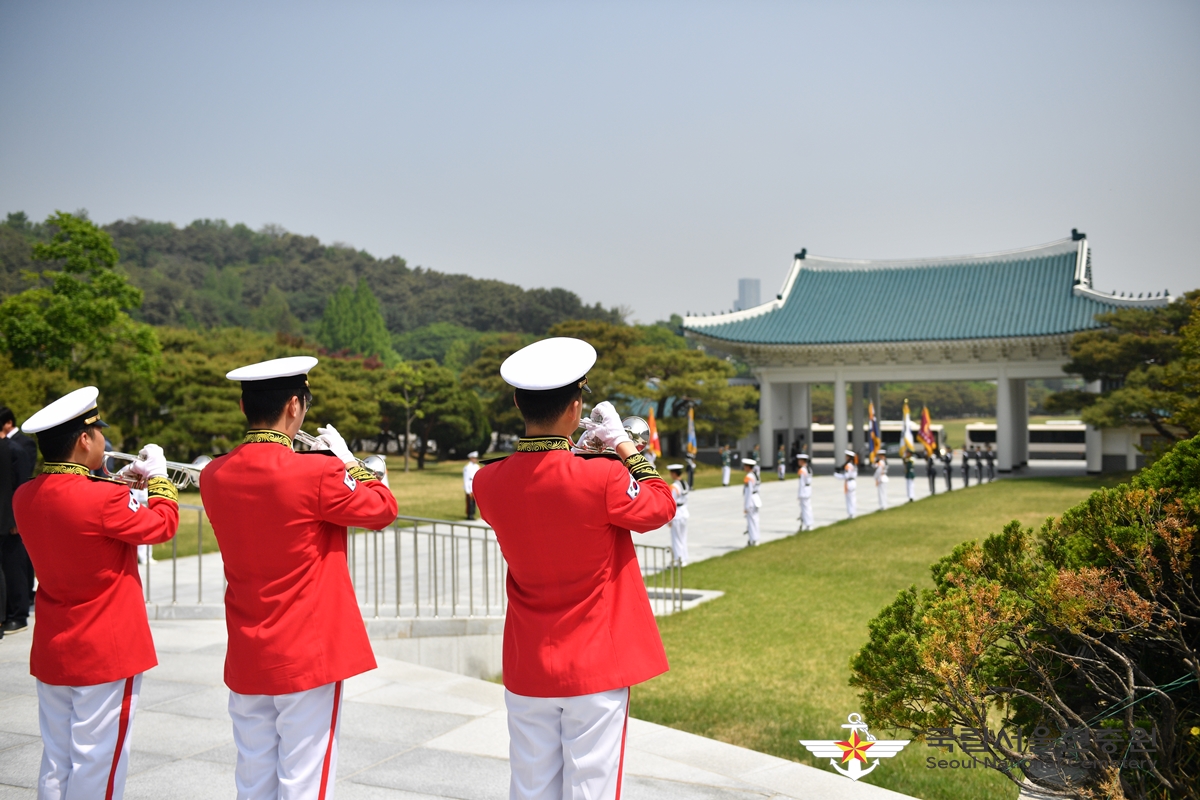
122 730
337 697
624 728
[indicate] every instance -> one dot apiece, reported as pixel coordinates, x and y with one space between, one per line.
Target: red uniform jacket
280 518
579 620
82 535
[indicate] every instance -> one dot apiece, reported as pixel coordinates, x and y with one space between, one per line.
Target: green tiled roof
1032 292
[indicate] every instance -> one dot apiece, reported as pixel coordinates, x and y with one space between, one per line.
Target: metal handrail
454 569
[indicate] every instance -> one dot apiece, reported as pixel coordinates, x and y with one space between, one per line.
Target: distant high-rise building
749 292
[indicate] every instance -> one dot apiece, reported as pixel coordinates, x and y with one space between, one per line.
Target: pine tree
353 322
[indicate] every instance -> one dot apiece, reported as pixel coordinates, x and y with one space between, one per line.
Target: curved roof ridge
816 262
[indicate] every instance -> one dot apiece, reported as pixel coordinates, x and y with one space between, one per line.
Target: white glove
607 427
151 463
334 441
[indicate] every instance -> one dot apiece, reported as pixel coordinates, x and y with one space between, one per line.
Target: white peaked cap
275 368
750 461
674 466
66 408
802 455
473 454
548 364
851 453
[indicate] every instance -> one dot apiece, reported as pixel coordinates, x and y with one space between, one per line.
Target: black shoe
15 626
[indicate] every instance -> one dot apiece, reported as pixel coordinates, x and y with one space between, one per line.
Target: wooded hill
212 274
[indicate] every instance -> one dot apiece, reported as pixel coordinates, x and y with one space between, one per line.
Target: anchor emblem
856 749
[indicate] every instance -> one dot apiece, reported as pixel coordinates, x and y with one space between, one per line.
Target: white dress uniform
804 493
469 482
881 482
679 525
751 501
849 475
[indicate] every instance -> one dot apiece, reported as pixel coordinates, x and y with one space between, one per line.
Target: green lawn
768 663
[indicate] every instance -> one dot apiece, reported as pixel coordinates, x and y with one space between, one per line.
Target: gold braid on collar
543 444
267 437
62 468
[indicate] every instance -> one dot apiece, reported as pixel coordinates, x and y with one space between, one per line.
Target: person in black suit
19 460
8 524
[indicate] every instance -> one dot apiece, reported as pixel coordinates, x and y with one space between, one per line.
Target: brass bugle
637 428
375 464
181 474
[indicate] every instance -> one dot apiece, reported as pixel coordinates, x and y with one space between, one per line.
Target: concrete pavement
408 733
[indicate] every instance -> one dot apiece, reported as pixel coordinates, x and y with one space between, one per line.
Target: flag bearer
679 525
579 630
881 481
295 629
751 500
910 477
781 462
849 475
804 492
931 473
92 641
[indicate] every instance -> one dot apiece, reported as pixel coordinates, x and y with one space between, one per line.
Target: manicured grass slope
768 663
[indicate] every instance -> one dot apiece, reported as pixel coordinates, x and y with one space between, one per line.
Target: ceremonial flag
691 442
925 433
907 445
873 429
655 446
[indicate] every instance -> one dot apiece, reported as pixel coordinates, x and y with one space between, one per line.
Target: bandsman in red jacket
91 640
579 630
295 627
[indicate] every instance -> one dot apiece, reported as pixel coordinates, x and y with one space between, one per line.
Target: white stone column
766 419
1094 439
839 418
1004 423
858 410
801 416
1020 406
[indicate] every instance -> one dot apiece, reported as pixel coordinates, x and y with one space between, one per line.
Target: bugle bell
637 428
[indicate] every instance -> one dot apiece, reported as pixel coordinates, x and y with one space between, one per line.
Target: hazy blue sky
643 154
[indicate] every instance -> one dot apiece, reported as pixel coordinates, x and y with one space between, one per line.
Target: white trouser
910 486
752 525
286 743
679 527
782 470
567 748
851 493
806 515
724 476
881 493
85 739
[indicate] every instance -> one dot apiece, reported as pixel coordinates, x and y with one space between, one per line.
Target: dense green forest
212 274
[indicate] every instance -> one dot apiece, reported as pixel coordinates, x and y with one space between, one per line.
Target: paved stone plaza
408 733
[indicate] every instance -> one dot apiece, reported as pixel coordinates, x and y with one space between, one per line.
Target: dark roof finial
803 252
1076 235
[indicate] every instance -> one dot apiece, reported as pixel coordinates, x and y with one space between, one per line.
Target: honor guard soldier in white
849 475
91 641
578 631
881 481
751 500
679 525
469 481
295 628
804 492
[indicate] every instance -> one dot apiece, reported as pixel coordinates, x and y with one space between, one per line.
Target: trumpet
181 474
637 428
375 464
